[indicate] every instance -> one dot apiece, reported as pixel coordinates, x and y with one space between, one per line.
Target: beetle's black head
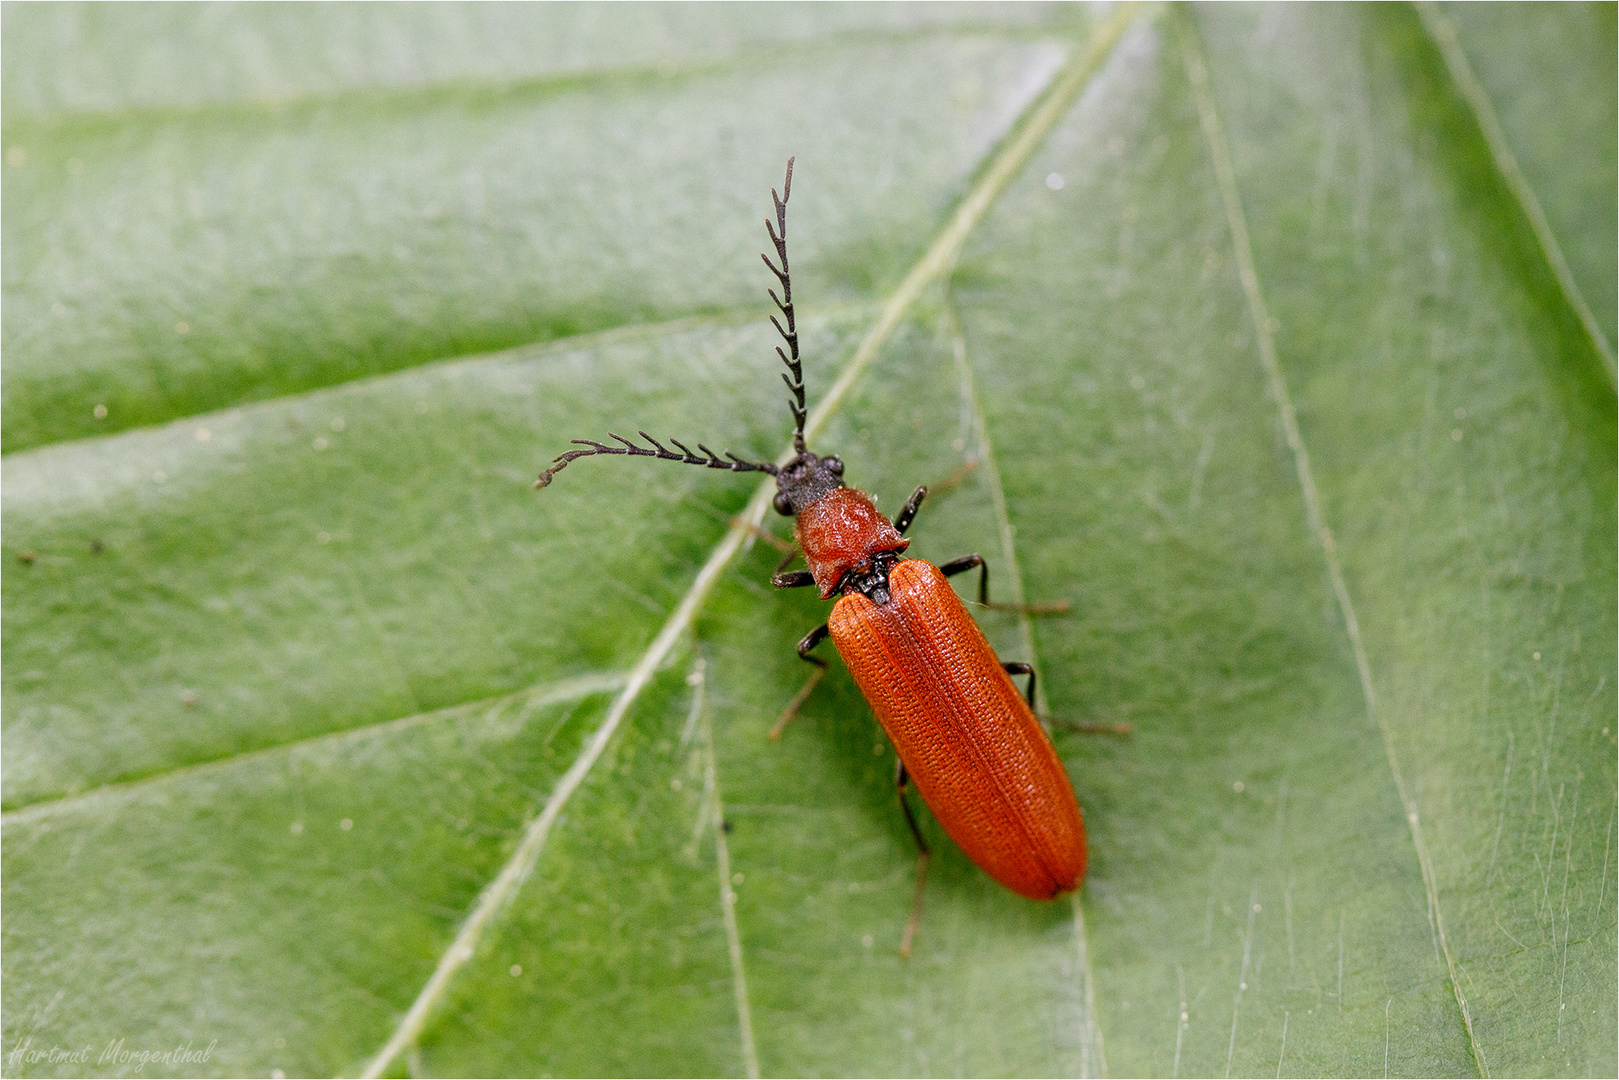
804 480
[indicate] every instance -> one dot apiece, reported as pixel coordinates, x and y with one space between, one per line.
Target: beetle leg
1017 668
768 537
811 639
907 514
787 559
796 580
902 780
1084 727
957 475
967 562
1088 727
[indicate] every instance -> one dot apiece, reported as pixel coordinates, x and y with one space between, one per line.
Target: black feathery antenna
778 235
709 459
686 457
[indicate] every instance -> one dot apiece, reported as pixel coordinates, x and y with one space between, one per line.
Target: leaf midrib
1005 161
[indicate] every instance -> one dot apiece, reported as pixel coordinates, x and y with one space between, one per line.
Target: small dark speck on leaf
96 548
27 557
725 826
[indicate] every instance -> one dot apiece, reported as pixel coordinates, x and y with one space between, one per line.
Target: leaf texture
1227 325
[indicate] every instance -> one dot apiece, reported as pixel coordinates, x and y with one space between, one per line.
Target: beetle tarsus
957 475
799 698
1089 727
811 639
1049 607
766 535
967 562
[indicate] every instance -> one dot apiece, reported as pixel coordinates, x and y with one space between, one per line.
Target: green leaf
1243 329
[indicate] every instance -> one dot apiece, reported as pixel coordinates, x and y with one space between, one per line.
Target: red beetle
964 734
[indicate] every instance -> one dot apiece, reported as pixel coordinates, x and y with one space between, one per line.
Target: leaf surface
1257 358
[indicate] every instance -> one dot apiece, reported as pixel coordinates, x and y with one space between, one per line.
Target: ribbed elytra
964 735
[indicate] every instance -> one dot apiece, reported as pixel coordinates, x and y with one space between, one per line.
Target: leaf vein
1444 34
541 694
1225 174
1093 1062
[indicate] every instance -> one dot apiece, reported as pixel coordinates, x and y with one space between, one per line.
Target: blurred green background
1285 355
